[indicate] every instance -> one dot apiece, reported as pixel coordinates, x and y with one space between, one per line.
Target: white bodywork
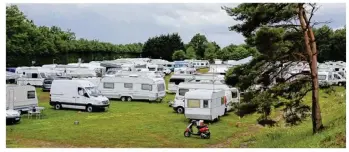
138 87
232 95
21 98
199 63
176 79
184 70
204 104
33 75
66 93
330 78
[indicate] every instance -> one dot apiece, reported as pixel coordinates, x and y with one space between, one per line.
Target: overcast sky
128 23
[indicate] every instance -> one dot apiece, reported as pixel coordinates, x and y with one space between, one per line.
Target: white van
204 104
76 94
133 86
21 98
330 78
232 95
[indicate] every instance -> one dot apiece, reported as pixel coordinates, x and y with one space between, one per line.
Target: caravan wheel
123 98
129 99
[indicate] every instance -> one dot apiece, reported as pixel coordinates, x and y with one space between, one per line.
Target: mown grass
143 124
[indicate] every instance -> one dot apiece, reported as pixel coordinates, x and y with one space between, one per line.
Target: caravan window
322 77
176 81
205 103
234 94
161 87
222 101
128 85
31 94
107 85
182 92
147 87
193 103
151 69
34 75
202 63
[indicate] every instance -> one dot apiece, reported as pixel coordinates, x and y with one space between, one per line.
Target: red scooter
203 131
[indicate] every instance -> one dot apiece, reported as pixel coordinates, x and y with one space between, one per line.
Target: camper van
21 98
232 95
77 94
330 78
204 104
134 86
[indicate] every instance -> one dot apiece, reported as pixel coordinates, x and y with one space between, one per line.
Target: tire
89 108
129 99
58 106
208 136
20 112
123 98
186 134
180 110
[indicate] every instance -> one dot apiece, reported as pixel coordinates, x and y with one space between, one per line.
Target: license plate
17 118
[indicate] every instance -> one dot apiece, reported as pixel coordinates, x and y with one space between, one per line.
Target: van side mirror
86 95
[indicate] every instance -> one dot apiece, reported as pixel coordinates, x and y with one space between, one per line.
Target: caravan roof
202 94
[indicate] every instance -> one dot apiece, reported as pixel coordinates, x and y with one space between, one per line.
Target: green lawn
141 124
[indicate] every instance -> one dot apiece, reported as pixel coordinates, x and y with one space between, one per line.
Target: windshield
182 92
322 77
92 91
111 72
48 81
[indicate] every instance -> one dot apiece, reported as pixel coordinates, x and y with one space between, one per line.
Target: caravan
176 79
33 75
232 95
133 86
204 104
21 98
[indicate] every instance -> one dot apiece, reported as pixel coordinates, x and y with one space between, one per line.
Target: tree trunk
311 50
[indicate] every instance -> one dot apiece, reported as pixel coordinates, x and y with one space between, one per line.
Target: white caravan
134 86
33 75
232 95
184 70
76 94
199 63
204 104
21 98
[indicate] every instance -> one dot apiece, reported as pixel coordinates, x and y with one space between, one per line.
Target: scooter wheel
186 134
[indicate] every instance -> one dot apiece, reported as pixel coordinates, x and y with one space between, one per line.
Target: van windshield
92 91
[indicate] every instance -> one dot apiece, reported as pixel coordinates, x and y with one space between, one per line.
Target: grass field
143 124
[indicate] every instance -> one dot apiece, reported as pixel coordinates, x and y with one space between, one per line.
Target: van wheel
129 99
89 108
180 110
58 106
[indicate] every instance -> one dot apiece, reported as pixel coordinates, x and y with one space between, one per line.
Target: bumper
13 119
101 106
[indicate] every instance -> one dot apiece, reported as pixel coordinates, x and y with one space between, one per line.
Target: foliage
178 55
210 52
190 53
162 46
26 42
198 42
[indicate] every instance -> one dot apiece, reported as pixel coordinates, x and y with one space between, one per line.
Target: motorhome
232 95
330 78
77 94
204 104
20 98
134 86
180 64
